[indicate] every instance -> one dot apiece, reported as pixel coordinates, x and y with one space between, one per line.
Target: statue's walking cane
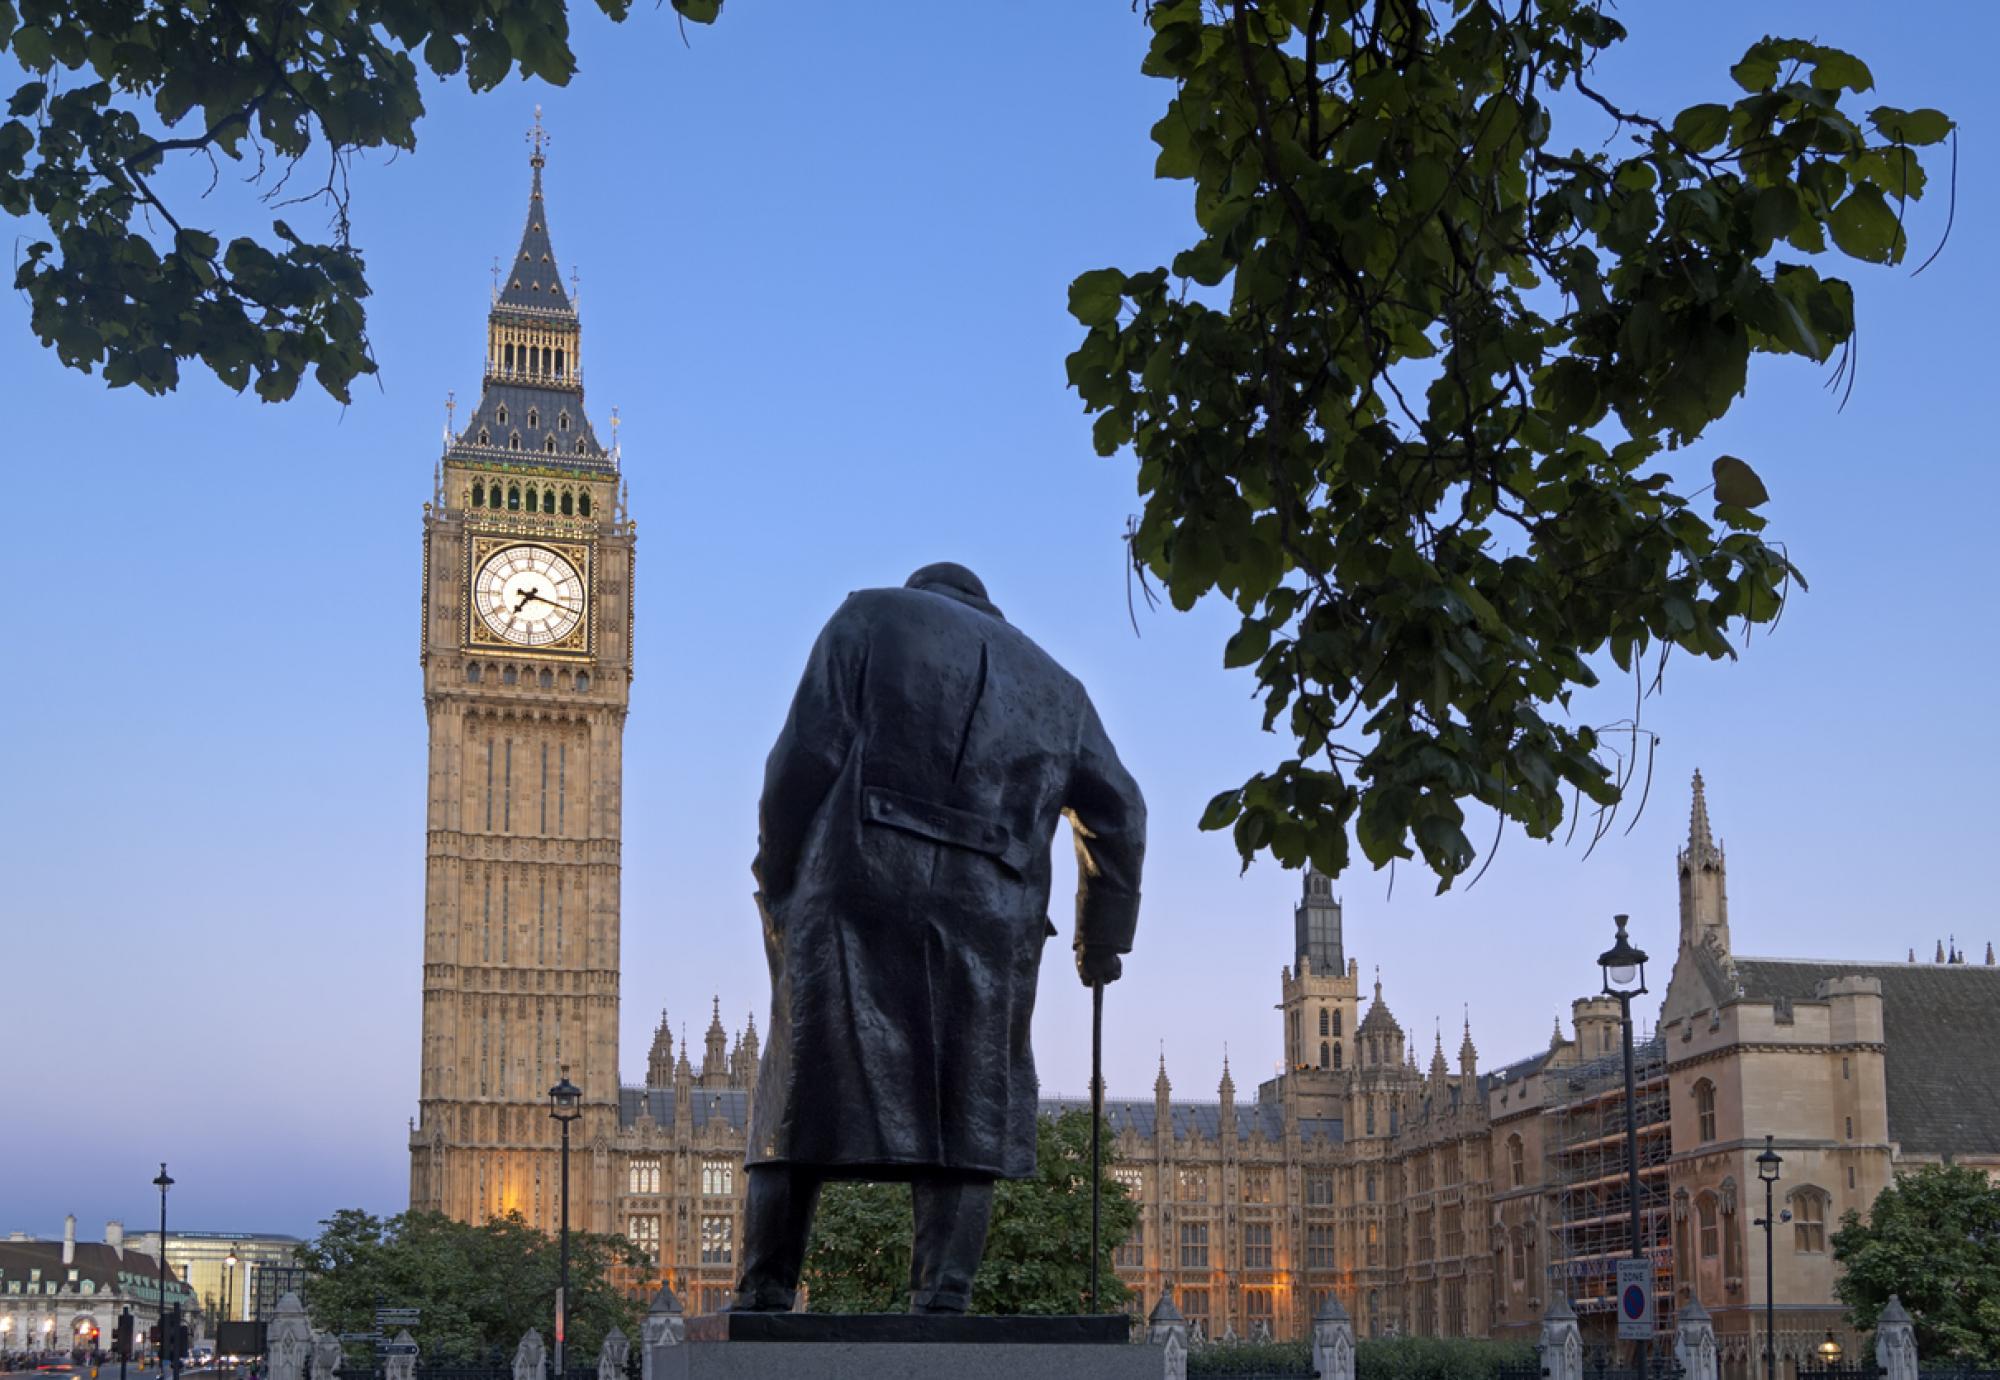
1096 1122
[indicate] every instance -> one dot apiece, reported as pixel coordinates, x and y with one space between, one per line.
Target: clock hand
551 602
530 594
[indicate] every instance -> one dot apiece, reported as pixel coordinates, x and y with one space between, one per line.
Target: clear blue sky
824 254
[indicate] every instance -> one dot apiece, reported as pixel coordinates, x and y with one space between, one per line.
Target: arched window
507 357
472 673
582 681
568 503
549 448
1336 1022
508 676
478 494
559 363
1709 1231
513 498
1520 1256
531 498
1704 1111
1517 1161
1325 1054
500 415
1336 1054
485 438
583 500
548 359
1371 1185
1325 1022
514 440
562 420
534 418
579 445
548 679
1371 1125
1808 1219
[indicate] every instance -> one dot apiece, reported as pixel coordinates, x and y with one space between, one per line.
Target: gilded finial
537 138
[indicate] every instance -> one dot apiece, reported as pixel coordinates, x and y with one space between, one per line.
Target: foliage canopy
480 1287
1405 397
1037 1250
1933 1239
120 92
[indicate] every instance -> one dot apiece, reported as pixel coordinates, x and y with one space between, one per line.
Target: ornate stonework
527 667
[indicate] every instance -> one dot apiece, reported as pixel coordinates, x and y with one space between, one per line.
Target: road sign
398 1348
397 1317
1635 1300
361 1336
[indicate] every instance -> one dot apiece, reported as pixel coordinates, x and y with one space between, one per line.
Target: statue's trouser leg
950 1239
777 1223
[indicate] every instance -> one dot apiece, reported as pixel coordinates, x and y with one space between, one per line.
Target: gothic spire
1701 842
1162 1087
534 282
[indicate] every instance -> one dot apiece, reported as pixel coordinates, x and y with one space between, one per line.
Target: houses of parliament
1430 1195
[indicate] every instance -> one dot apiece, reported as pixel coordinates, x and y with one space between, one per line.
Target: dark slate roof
1516 1071
1188 1118
730 1104
548 405
95 1261
1941 1025
534 281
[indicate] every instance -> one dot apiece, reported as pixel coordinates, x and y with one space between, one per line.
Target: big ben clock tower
527 667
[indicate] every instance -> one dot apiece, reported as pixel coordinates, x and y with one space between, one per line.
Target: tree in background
1037 1251
480 1287
1404 400
126 98
1932 1238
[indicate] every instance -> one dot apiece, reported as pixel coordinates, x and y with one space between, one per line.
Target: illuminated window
718 1240
1191 1185
644 1232
1131 1180
1256 1184
718 1178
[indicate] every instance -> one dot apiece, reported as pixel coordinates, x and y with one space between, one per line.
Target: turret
1225 1091
660 1058
1439 1069
1163 1116
1468 1057
1704 888
1316 937
1597 1025
715 1054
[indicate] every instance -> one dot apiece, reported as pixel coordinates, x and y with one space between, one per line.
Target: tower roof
1701 841
534 281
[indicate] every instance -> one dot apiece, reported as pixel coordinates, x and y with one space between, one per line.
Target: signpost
386 1318
1635 1300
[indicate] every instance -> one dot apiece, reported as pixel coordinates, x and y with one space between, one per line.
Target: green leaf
1911 126
1222 810
1836 71
1865 226
1095 296
1247 645
1702 127
1737 484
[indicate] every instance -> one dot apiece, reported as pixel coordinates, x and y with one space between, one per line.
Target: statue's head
942 577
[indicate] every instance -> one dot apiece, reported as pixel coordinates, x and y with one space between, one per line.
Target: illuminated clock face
528 595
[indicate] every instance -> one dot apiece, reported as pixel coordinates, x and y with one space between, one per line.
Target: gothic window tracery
568 503
1517 1161
1809 1219
1709 1230
478 494
1704 1110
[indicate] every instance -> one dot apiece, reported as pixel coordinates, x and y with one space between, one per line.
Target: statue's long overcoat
903 873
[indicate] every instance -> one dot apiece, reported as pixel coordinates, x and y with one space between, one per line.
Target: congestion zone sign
1635 1300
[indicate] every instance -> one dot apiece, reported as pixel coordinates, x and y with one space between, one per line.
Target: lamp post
564 1098
163 1183
1768 1165
1625 978
228 1287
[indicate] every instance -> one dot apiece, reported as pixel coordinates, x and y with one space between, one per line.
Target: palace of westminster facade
1430 1197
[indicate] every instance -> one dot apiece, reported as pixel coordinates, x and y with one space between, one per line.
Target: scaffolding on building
1587 1171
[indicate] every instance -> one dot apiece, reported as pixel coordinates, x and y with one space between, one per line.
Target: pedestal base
894 1346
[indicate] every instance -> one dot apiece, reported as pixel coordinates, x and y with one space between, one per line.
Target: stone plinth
894 1346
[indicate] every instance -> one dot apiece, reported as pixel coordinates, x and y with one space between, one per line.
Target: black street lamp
564 1098
228 1287
1625 978
1768 1164
163 1183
